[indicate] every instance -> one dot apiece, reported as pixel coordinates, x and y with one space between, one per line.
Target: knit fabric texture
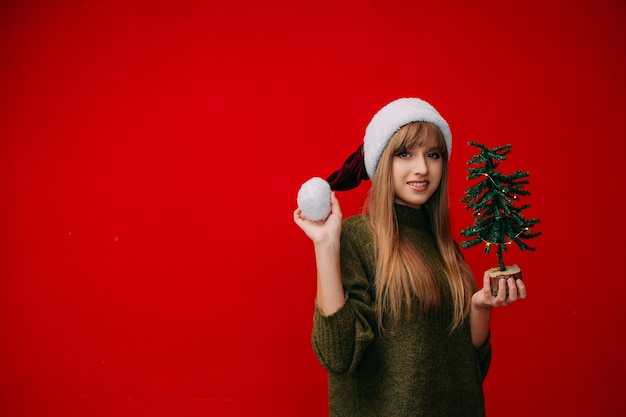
419 369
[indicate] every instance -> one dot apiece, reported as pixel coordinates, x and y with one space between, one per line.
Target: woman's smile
418 186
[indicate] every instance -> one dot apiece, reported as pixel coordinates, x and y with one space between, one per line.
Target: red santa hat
314 195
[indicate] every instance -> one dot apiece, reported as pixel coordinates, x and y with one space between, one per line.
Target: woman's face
416 174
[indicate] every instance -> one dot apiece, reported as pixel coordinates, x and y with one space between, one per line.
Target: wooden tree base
496 275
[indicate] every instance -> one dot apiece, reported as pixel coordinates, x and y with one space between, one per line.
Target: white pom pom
314 199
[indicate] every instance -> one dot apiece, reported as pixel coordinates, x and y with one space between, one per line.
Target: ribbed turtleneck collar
412 217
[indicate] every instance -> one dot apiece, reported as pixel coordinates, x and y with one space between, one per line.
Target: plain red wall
150 156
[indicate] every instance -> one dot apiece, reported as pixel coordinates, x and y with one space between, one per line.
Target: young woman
398 323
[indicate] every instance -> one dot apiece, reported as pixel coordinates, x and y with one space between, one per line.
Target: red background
150 156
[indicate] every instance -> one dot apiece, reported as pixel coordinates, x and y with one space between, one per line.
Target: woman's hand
325 236
485 299
328 230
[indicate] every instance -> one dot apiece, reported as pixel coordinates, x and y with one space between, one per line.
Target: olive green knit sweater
417 370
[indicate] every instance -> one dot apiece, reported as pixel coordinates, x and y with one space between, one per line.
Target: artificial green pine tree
497 217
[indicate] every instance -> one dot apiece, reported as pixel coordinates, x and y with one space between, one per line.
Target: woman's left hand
485 299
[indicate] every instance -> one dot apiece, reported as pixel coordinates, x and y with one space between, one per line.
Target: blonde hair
401 271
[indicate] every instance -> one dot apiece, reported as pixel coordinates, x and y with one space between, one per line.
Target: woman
398 323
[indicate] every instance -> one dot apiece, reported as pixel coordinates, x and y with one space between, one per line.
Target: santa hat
314 195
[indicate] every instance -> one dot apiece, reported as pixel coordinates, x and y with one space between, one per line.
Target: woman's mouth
418 185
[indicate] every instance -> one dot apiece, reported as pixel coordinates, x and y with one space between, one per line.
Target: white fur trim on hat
314 199
390 119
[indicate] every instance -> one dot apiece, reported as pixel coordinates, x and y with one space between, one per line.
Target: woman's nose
420 166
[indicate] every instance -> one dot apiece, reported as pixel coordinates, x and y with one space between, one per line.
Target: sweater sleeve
340 339
484 356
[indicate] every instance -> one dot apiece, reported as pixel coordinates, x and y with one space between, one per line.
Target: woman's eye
434 155
403 154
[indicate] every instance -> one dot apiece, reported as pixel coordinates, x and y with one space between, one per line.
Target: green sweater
419 369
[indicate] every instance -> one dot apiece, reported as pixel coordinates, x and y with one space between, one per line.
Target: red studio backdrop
150 157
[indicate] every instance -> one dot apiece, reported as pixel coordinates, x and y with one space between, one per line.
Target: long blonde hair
401 271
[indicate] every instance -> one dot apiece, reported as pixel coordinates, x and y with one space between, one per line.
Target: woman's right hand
328 230
325 236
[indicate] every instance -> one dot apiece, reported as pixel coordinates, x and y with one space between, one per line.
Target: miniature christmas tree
498 219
